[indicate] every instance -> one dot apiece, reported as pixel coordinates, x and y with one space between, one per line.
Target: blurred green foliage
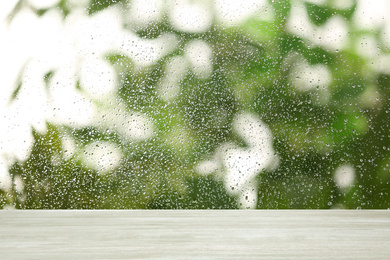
251 71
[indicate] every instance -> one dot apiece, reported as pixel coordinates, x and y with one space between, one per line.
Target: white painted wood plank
195 234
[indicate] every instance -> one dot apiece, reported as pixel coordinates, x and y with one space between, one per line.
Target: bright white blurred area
238 167
190 16
231 12
40 4
83 85
344 176
142 13
199 54
333 35
175 70
101 156
306 77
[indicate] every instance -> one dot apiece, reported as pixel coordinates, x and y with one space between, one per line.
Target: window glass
194 104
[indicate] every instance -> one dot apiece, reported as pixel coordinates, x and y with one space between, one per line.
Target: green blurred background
326 106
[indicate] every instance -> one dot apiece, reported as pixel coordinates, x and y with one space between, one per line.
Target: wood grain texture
195 234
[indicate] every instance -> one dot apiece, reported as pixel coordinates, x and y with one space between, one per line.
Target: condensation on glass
202 104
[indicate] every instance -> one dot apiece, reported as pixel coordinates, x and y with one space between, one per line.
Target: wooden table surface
136 234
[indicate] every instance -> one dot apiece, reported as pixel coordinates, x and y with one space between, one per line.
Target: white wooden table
195 234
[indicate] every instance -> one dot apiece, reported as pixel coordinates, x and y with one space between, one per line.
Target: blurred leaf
92 134
119 60
41 12
138 89
3 200
318 15
63 6
261 31
317 55
348 80
18 6
47 78
203 193
296 191
348 13
19 82
15 93
345 126
281 9
98 5
154 30
207 104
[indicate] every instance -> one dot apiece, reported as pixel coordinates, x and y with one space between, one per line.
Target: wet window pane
203 104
